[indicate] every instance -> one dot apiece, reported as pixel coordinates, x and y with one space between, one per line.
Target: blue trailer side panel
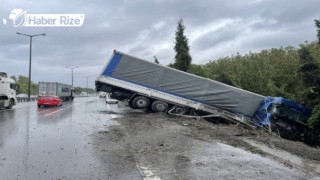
112 65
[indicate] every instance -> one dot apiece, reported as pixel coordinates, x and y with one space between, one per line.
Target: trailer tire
181 110
131 105
11 103
159 106
140 102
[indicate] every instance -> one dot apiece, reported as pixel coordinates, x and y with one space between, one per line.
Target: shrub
314 120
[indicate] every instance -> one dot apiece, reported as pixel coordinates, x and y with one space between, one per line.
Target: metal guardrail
26 99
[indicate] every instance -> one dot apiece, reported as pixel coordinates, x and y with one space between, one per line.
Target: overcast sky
146 28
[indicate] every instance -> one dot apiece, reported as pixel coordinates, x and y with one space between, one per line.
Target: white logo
20 18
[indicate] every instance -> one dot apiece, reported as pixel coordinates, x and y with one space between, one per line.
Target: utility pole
30 55
73 67
72 73
87 77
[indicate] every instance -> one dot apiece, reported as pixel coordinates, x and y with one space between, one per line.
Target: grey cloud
214 38
146 28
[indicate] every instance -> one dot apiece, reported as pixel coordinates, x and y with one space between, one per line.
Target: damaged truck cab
284 116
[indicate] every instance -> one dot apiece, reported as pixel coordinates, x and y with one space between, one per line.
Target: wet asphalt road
52 143
89 139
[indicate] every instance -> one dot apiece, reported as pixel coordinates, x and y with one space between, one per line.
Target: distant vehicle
102 94
8 89
110 100
22 96
49 101
63 91
83 94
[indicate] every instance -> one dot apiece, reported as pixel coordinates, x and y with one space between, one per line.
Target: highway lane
52 143
89 139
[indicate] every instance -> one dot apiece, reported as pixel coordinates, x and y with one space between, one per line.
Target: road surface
89 139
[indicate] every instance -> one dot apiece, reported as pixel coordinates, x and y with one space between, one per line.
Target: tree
197 70
171 65
78 90
182 57
23 83
309 69
317 23
314 120
156 60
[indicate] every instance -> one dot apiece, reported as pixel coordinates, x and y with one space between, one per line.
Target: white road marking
147 172
53 112
113 115
45 111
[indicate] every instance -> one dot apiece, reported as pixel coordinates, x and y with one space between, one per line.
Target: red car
49 101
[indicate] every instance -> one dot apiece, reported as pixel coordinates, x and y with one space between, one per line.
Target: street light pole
30 55
72 89
87 84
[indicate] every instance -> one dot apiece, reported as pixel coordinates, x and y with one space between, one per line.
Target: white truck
8 89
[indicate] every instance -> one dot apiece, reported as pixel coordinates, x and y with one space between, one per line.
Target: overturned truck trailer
148 85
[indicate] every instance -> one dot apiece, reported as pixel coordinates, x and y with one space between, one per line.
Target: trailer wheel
140 102
130 104
11 103
180 110
159 106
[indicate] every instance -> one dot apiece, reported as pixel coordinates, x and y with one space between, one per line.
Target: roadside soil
143 139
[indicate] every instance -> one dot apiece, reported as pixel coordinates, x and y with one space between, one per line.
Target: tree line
289 72
23 83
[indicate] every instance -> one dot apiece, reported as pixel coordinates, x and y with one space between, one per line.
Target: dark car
49 101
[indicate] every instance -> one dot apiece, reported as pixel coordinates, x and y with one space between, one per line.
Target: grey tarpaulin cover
210 92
